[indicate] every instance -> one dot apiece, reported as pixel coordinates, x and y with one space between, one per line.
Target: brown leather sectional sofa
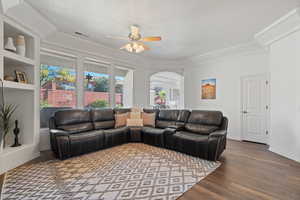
198 133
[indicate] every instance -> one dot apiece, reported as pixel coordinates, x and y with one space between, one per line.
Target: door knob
245 112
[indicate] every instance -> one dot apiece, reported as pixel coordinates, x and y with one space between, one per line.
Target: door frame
268 102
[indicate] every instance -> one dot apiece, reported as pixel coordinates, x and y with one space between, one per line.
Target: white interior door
255 108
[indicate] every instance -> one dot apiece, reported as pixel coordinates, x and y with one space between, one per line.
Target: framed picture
21 77
208 88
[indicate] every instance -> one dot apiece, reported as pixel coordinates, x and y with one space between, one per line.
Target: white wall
285 96
141 88
228 72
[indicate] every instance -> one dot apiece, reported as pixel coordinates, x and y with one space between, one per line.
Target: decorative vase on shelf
16 133
20 43
9 45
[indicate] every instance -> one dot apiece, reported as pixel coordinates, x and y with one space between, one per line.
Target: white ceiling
188 27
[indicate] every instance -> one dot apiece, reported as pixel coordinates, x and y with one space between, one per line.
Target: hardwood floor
248 172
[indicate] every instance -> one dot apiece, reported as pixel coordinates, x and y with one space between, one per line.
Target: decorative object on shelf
21 77
6 114
9 78
208 89
16 133
9 45
20 44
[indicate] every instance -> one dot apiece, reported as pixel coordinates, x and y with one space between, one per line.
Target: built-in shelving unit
23 94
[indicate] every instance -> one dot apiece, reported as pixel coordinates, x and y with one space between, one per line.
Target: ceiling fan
136 44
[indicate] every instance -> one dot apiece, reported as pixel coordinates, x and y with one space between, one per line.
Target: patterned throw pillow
121 120
148 119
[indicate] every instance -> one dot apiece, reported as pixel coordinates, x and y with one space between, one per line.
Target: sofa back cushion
74 121
204 122
167 118
213 118
103 118
168 115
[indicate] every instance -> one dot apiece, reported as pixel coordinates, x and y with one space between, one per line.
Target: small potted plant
6 114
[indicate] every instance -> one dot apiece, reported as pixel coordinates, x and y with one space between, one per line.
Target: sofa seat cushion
86 142
183 135
165 124
191 143
153 131
201 129
153 136
86 135
116 136
77 128
104 124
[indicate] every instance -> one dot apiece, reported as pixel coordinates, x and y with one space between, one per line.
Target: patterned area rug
131 171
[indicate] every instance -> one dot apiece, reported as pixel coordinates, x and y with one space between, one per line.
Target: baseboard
283 154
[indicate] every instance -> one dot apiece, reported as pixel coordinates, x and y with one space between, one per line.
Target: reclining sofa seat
72 133
75 132
204 135
104 119
164 119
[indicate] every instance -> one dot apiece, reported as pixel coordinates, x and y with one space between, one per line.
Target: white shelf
25 96
18 58
10 150
20 86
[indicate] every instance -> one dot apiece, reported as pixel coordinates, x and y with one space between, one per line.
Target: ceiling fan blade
117 37
124 47
151 39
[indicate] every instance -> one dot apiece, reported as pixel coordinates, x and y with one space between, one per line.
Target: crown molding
281 28
238 50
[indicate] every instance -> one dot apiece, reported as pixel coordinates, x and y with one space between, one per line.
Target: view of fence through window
58 85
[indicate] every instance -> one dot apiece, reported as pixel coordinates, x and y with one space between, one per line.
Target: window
165 90
123 87
96 85
58 85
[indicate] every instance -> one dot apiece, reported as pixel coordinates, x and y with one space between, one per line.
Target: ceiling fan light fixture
134 47
136 44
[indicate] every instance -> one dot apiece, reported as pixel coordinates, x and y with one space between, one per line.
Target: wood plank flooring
248 172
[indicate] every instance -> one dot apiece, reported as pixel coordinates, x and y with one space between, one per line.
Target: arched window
167 90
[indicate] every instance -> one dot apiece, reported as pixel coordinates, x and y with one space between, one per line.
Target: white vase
9 45
20 43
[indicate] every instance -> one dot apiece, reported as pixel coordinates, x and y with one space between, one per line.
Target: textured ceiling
187 27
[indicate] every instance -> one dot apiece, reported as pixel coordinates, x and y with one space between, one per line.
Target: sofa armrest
170 131
58 132
176 127
218 133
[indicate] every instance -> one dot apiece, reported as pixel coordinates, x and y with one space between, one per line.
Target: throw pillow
121 120
148 119
135 115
